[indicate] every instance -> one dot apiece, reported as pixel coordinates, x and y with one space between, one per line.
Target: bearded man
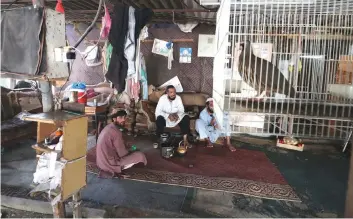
209 129
170 112
112 155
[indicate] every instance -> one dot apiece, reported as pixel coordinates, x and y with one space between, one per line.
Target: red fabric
106 23
212 162
91 93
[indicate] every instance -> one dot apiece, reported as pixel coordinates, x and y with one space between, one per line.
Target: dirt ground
14 213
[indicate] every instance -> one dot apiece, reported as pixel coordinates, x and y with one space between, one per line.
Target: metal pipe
89 29
47 95
154 10
182 10
348 213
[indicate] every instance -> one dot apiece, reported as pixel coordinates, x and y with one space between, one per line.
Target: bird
253 71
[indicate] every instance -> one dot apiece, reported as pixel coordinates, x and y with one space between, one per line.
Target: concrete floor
318 175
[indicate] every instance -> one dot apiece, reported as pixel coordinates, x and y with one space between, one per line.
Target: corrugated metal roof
85 10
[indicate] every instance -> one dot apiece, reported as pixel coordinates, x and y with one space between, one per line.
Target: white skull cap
209 99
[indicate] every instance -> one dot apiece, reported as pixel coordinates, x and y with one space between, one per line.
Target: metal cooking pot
164 137
167 151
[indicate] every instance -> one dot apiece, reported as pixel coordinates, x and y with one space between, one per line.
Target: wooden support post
76 200
59 210
349 199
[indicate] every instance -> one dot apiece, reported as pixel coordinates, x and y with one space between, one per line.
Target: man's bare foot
231 147
209 144
123 176
187 145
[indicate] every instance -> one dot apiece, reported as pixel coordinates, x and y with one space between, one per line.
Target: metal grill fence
309 43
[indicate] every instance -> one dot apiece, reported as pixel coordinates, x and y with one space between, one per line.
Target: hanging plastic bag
106 23
59 7
38 3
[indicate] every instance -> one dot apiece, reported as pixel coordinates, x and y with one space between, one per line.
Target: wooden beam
59 210
77 211
349 199
154 10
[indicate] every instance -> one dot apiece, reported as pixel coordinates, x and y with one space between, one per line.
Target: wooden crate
344 74
73 177
291 147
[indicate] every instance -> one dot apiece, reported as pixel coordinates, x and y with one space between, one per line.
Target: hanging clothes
143 78
142 17
107 55
117 69
170 57
130 48
106 23
118 66
133 89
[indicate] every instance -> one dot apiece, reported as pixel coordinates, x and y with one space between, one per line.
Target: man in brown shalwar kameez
112 155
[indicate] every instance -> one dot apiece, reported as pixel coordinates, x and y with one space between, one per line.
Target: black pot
163 138
167 151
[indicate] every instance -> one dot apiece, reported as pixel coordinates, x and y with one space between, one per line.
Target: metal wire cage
288 67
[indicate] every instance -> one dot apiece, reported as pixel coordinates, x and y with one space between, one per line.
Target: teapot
181 150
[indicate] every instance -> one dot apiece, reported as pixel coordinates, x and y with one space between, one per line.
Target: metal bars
284 85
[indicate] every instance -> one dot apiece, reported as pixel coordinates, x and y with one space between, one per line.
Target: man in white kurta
170 112
209 129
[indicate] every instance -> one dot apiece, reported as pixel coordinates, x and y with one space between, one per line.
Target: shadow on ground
318 175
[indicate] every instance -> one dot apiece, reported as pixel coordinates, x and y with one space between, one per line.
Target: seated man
112 155
170 112
209 129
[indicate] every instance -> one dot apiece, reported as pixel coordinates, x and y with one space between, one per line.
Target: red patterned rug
243 172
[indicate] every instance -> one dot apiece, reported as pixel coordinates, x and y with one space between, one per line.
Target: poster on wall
185 55
206 45
160 47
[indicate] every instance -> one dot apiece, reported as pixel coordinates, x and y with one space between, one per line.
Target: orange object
59 7
58 132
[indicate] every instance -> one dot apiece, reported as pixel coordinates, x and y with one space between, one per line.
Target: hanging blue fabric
169 45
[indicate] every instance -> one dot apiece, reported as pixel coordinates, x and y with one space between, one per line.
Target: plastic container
73 96
82 97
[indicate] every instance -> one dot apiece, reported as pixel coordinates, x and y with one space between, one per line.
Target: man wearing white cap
170 113
209 129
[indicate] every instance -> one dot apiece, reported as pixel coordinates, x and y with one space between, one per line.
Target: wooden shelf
74 147
52 117
74 129
42 149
